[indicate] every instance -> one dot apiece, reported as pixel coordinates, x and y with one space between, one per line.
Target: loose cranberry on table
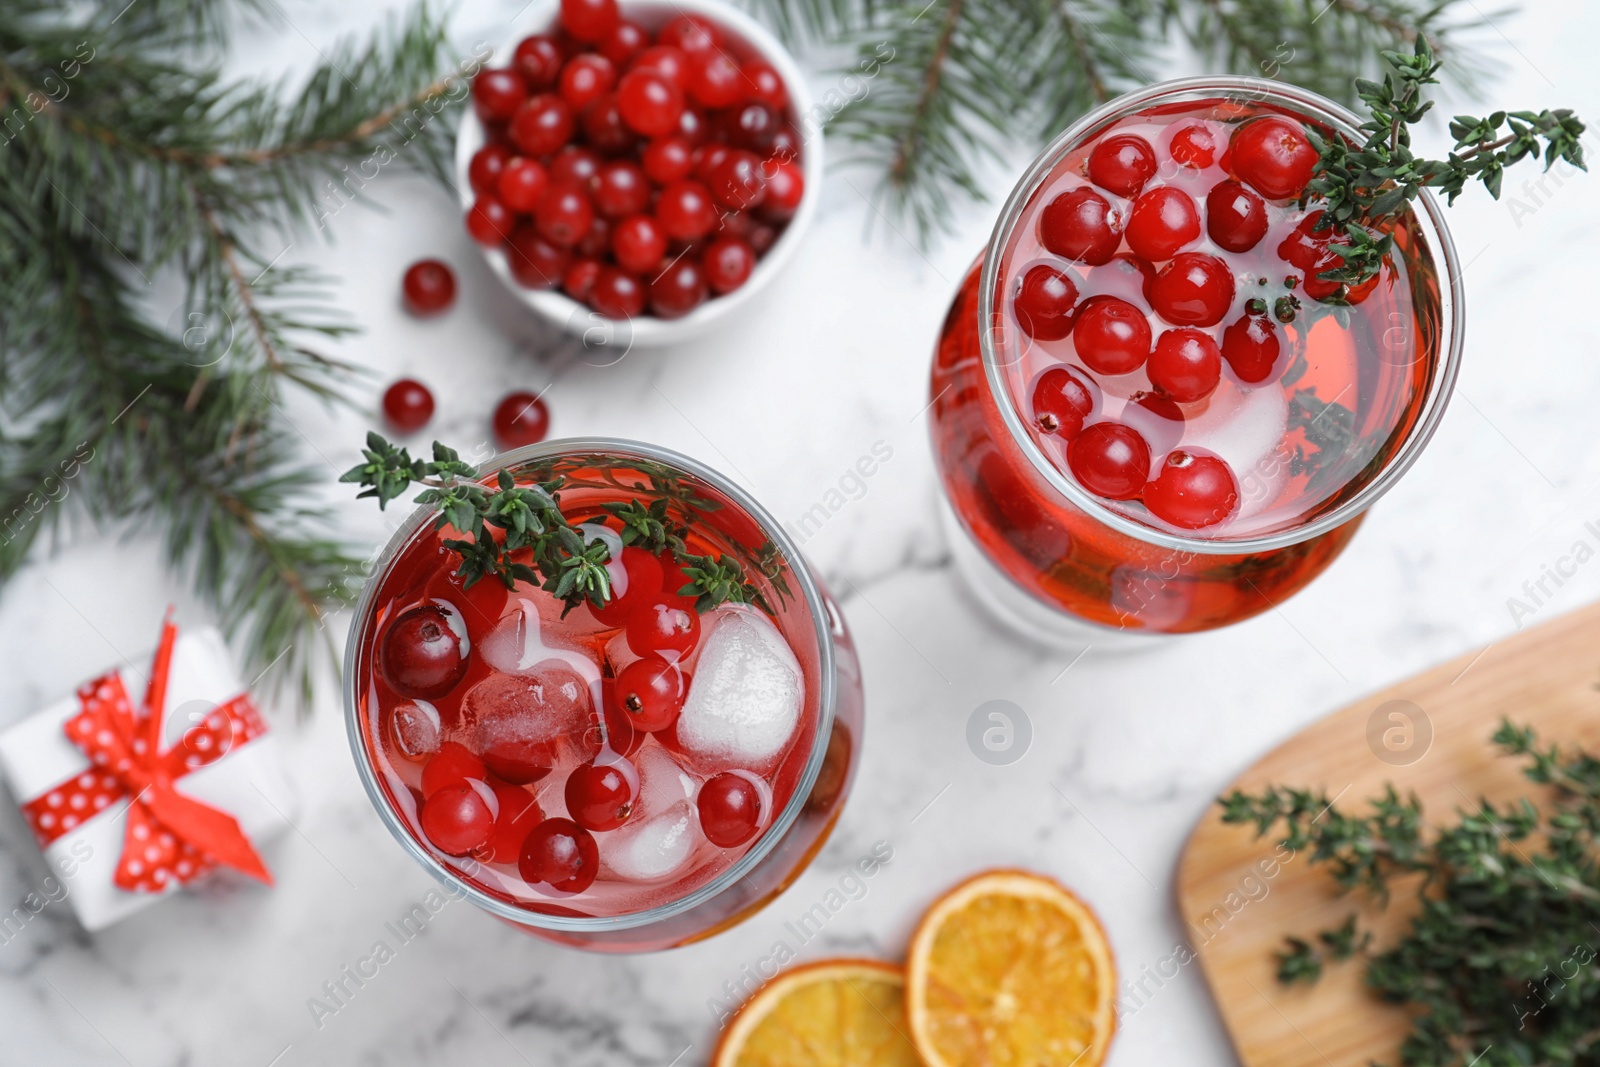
729 806
520 419
424 652
407 405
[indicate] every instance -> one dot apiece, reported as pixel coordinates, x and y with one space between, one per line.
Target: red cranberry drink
626 770
1151 412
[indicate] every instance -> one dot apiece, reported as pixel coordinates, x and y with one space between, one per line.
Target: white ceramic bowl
648 330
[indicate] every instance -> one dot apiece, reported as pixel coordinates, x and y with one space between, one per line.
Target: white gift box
247 782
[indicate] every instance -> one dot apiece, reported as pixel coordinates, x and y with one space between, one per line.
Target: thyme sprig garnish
539 545
1499 965
1364 187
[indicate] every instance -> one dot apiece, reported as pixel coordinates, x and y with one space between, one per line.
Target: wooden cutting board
1238 896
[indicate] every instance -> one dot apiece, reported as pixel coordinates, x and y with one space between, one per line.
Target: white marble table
1126 753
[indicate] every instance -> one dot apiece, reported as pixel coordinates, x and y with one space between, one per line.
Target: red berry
650 103
1046 303
624 42
534 262
457 819
575 164
496 93
764 85
1185 365
1192 491
666 159
408 405
714 79
520 419
522 184
1122 164
617 294
643 570
1163 222
663 629
737 181
621 188
1250 345
604 128
1274 155
650 692
1339 292
753 126
730 809
686 211
519 813
453 764
620 734
489 221
538 59
1061 401
586 78
597 242
679 289
564 215
589 20
483 173
667 62
1236 218
1079 225
728 263
762 238
1111 336
541 125
708 157
639 243
424 652
1193 146
692 34
1193 289
1110 460
692 126
600 796
786 187
579 279
561 854
428 287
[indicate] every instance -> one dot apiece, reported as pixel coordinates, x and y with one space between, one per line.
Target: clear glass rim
827 697
1452 320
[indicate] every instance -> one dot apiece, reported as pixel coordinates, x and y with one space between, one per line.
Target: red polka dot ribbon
171 837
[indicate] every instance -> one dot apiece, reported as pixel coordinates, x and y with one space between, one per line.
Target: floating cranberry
643 571
686 210
728 263
619 733
538 59
534 261
600 796
457 819
1060 403
1339 292
1273 155
663 629
625 41
1193 289
542 124
1186 365
1192 491
737 181
1111 336
519 814
488 221
1194 146
483 173
692 34
561 854
579 279
407 405
639 243
617 294
786 188
650 103
1110 460
651 691
428 287
1163 222
730 809
520 419
586 78
679 289
425 652
1046 303
1236 218
1079 225
666 159
522 184
1250 345
590 20
764 85
1122 164
453 764
496 93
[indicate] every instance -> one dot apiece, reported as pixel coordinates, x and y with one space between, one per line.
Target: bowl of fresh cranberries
642 164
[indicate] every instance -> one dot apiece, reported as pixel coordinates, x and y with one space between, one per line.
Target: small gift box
135 789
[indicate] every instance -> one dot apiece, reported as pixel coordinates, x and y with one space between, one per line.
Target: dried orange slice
1011 968
834 1013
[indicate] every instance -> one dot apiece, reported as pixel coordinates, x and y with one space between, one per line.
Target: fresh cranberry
1079 225
1274 156
408 405
534 262
1339 292
542 124
604 128
666 62
753 126
621 188
519 813
737 181
728 263
1192 491
1194 146
488 221
679 289
538 59
785 145
1236 218
1163 222
589 20
692 126
456 819
639 243
666 159
662 629
522 184
579 279
1111 336
626 40
1060 403
586 78
690 33
619 734
714 79
686 210
483 173
1110 460
1185 365
708 157
1193 289
520 419
576 165
596 242
762 237
617 294
600 796
564 215
1250 345
1046 303
453 764
764 85
650 692
423 655
730 809
643 571
786 188
561 854
428 287
650 103
1122 164
496 93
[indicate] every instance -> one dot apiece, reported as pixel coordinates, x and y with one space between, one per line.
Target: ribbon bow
170 836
